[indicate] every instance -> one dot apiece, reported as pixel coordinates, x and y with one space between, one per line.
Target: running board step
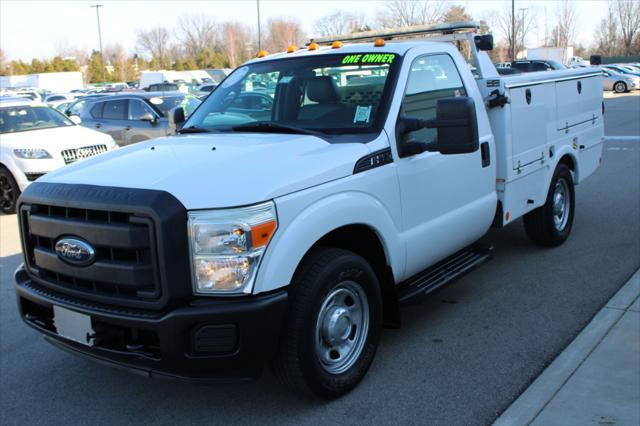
444 271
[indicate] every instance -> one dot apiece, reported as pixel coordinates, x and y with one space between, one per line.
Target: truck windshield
324 94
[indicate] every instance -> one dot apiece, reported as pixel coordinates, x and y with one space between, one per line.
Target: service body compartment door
579 101
532 113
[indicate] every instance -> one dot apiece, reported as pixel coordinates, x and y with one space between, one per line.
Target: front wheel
550 224
9 192
333 326
620 87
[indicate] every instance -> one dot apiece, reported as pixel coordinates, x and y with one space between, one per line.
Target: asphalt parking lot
461 356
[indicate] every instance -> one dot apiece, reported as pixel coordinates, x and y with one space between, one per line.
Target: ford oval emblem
75 251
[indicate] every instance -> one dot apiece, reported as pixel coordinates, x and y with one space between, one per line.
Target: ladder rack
435 30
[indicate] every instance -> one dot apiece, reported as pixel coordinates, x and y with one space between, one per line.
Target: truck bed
550 114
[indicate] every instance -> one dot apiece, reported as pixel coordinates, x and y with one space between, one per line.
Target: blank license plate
73 326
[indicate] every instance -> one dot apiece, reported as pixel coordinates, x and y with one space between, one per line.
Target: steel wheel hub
342 326
561 205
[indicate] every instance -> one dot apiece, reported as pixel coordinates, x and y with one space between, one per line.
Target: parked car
162 87
134 117
62 106
75 107
58 97
15 100
508 71
634 76
534 65
37 139
31 94
623 69
618 82
292 236
205 89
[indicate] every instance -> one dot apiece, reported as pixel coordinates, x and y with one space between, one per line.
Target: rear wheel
9 192
550 224
333 325
620 87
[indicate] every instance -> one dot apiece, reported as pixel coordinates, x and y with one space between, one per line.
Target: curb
535 398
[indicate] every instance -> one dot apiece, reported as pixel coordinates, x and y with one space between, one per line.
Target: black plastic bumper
207 340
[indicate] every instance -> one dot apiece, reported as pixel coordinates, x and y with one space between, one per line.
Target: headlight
31 153
226 247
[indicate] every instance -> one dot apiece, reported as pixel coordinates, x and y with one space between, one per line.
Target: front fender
298 232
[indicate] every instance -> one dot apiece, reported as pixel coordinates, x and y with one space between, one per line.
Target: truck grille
75 154
125 267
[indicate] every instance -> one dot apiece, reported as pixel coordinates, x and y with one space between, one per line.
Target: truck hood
218 170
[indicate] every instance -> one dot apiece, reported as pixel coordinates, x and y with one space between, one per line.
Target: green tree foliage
94 67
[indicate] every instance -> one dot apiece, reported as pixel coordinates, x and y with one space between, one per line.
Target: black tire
9 192
298 364
620 87
541 224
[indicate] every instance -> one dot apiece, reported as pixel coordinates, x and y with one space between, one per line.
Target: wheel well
569 162
364 241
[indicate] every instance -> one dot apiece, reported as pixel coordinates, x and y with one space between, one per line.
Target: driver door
444 197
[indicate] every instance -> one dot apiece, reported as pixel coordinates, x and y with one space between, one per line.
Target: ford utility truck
311 194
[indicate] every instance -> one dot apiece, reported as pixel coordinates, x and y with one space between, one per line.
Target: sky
39 29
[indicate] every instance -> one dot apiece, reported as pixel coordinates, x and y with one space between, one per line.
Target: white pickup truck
310 194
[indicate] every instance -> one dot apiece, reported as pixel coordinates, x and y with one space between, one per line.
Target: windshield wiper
267 126
193 129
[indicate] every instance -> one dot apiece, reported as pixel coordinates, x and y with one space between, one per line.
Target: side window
115 110
539 66
432 77
96 110
137 109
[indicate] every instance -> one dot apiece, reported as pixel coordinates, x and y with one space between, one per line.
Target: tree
236 37
123 68
402 13
155 42
503 25
629 19
563 33
3 63
456 13
606 37
94 67
282 32
198 33
339 22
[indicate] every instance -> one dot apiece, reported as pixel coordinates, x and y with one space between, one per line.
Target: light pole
522 10
98 6
513 30
259 38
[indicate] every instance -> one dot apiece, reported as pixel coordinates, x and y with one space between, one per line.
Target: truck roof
397 47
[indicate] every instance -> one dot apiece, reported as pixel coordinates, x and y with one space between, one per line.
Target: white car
205 89
58 98
36 139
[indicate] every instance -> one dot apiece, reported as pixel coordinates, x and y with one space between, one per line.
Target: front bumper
205 340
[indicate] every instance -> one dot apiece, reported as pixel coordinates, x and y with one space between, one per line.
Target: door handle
98 125
485 154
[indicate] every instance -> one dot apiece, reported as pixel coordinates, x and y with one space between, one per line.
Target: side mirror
176 120
75 119
484 42
457 128
147 116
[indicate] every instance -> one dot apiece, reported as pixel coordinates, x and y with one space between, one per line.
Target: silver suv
135 117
